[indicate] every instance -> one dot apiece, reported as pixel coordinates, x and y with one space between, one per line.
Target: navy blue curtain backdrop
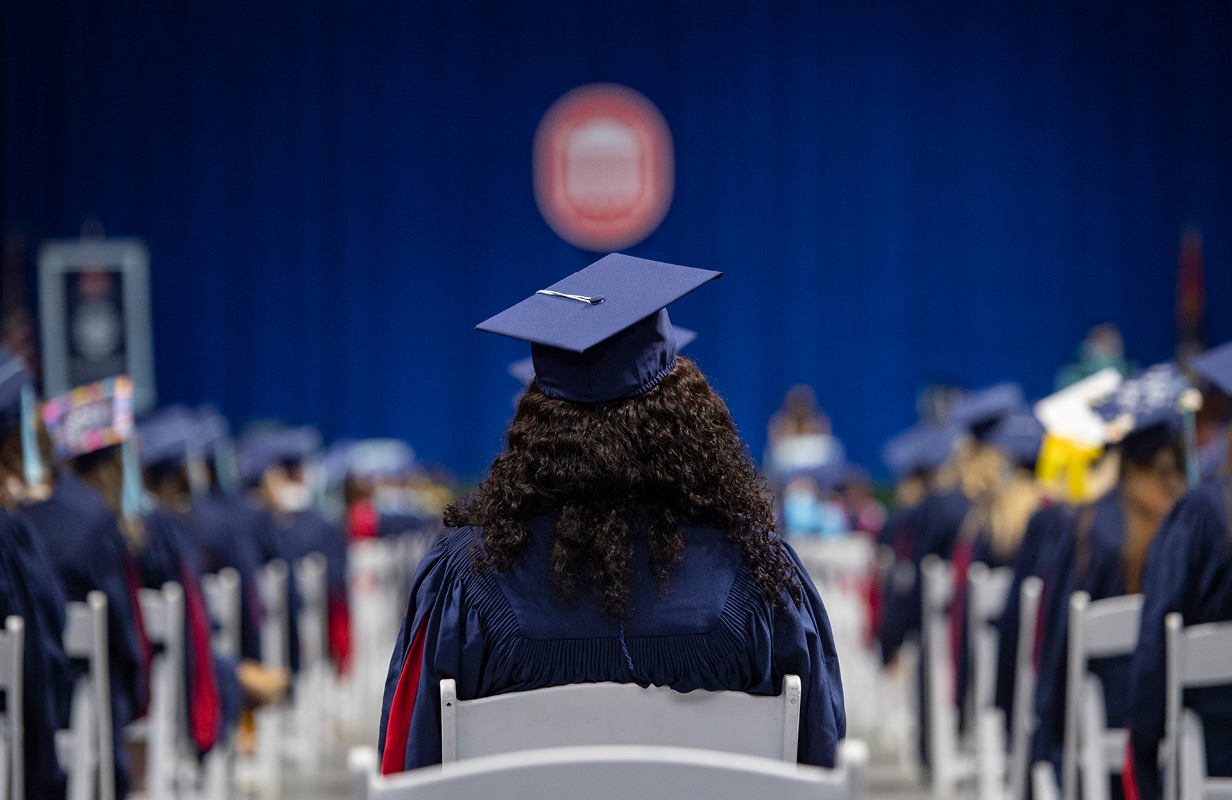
335 192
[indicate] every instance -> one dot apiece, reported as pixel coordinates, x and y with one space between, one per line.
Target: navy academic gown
1100 547
218 534
213 692
1030 561
30 590
1188 569
931 528
87 551
495 633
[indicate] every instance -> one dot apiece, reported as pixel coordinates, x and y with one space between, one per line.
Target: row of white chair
1092 753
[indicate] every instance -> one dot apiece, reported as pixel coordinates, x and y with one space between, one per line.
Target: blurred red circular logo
603 166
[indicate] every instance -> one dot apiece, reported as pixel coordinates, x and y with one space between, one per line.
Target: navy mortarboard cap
524 368
381 458
1146 412
1019 435
167 435
13 378
1216 366
212 427
271 448
602 333
335 465
978 410
920 447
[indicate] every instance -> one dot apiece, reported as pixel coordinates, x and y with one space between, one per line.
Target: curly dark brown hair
652 462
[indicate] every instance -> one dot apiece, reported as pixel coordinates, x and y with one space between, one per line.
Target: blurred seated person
864 511
799 437
173 447
622 535
169 442
274 465
88 547
1188 571
1103 546
29 585
1103 347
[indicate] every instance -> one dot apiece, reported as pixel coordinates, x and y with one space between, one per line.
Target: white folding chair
12 736
223 603
85 748
1197 656
620 713
1097 629
164 726
377 604
948 763
222 600
270 721
1025 678
615 772
987 590
311 684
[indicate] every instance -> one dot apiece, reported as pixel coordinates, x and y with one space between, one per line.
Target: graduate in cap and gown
1188 570
917 457
621 536
171 463
29 587
82 536
1102 546
274 465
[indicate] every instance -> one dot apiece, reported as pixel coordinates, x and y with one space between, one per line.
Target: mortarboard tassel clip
581 298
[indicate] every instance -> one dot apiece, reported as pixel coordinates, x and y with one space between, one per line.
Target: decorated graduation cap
919 448
602 333
1216 366
1019 435
524 368
981 410
93 417
1147 412
265 450
90 417
1074 435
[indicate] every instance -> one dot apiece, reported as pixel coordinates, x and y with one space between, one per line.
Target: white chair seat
614 772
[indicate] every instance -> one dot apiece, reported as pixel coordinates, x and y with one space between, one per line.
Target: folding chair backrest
166 723
310 578
223 601
987 590
1097 629
85 636
940 714
1197 656
618 772
615 713
12 646
275 631
1025 678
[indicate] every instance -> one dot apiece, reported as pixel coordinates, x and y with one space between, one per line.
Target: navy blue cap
1019 435
1216 366
602 333
13 378
168 435
920 447
259 453
212 426
980 408
1147 409
524 368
